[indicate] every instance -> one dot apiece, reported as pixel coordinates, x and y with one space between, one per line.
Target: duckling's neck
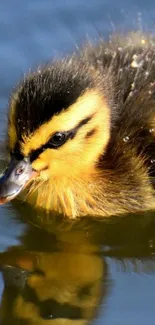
70 196
99 194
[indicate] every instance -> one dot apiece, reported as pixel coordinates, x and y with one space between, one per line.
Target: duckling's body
86 126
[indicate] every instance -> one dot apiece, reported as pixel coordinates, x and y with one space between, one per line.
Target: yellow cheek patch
85 106
39 164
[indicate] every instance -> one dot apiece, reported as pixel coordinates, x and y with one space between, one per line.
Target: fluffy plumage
103 100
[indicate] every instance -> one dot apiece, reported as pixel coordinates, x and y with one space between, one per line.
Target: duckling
81 132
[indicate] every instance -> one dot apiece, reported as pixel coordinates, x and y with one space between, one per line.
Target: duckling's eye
58 139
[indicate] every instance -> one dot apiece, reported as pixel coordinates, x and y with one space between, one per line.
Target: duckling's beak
15 179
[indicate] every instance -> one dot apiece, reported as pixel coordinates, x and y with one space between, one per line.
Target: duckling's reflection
54 277
58 274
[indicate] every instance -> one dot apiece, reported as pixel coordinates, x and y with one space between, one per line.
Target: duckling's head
59 125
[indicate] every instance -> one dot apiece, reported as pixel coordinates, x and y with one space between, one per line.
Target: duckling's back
127 67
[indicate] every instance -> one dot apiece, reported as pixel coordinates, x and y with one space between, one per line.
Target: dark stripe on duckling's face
91 133
57 140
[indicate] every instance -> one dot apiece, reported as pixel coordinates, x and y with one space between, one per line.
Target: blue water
32 32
